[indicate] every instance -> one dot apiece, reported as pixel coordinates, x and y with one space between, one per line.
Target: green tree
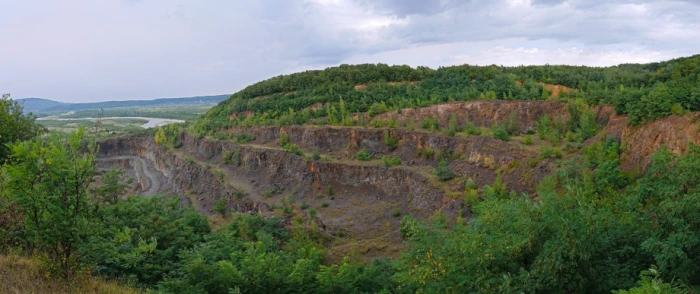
443 172
49 181
16 126
112 186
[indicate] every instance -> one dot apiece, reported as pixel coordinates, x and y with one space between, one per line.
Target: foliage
140 238
363 155
443 172
472 130
113 186
500 132
221 206
513 125
390 161
167 135
391 142
16 126
242 138
48 181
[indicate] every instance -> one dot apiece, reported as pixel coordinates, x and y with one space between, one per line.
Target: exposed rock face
475 156
484 113
364 196
641 142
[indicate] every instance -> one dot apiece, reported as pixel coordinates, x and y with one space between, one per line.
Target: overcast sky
94 50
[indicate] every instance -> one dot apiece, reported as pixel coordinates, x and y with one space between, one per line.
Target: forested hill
45 106
644 91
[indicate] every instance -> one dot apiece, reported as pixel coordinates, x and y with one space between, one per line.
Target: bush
243 138
527 140
500 133
316 155
513 126
324 204
443 171
284 139
363 155
377 123
392 143
292 148
228 157
396 212
220 206
391 161
472 130
550 152
427 153
430 124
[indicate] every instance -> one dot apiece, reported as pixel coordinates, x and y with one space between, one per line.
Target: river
151 121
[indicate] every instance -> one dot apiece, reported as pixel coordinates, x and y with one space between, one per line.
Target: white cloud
80 50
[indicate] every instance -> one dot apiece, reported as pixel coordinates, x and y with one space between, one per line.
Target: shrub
228 157
330 190
469 184
237 158
324 204
304 205
312 212
363 155
443 171
471 197
292 148
500 133
316 155
527 140
396 212
453 126
391 161
377 123
427 153
513 126
550 152
472 130
392 143
391 123
220 206
244 138
430 124
284 139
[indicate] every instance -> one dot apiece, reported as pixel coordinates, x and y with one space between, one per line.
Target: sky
90 50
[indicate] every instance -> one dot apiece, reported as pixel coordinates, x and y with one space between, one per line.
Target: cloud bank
83 50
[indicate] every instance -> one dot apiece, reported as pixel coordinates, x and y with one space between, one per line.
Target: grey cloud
130 49
403 8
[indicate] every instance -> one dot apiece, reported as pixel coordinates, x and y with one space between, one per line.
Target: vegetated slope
643 91
45 106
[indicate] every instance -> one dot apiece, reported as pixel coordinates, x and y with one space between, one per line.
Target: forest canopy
643 91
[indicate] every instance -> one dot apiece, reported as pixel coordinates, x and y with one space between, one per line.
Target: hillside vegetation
643 91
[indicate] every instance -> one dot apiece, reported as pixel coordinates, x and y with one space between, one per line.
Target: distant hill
42 106
36 105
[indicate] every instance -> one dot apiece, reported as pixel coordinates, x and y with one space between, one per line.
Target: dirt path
152 184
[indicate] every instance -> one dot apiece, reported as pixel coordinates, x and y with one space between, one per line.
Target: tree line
642 91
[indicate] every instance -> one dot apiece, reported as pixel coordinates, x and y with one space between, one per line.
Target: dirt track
148 180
